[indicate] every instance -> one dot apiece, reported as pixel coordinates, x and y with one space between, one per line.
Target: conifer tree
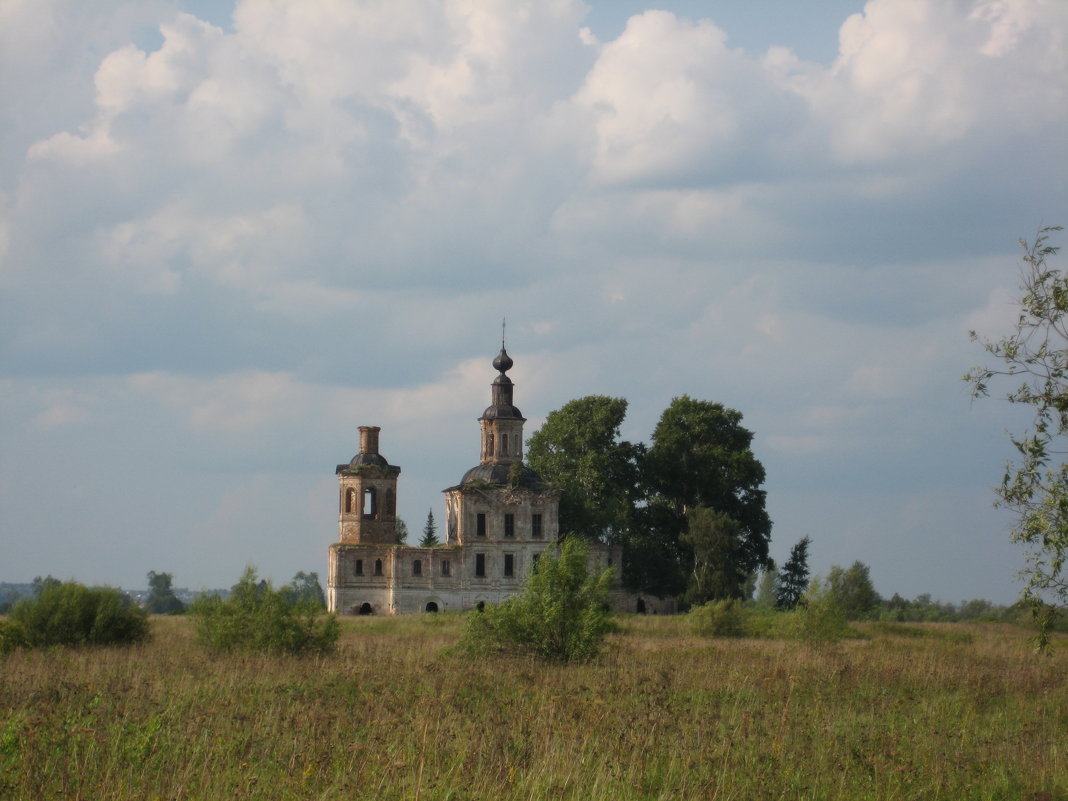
430 532
793 578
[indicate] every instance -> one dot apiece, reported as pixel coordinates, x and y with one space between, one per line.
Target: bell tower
502 422
368 494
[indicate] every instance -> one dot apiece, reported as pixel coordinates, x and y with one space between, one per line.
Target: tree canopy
648 498
701 456
1034 359
161 598
579 450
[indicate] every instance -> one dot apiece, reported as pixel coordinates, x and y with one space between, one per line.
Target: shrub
819 616
73 614
256 617
719 619
12 636
561 615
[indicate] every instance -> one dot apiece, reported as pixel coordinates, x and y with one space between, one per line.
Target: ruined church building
498 521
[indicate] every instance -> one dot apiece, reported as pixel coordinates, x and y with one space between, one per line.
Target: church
499 518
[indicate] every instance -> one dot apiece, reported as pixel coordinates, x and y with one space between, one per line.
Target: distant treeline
12 592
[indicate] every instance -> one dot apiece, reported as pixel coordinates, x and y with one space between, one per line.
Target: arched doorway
641 606
480 605
366 609
431 607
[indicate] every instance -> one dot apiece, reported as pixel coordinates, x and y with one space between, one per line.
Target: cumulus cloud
246 233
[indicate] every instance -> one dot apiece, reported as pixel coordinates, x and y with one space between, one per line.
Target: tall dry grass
920 712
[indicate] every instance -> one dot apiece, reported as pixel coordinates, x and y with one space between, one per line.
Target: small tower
502 423
368 494
501 500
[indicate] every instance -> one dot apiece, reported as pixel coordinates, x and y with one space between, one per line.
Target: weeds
661 714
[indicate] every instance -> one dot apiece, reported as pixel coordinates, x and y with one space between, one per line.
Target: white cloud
233 245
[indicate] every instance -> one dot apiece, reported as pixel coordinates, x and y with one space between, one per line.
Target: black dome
503 362
490 473
368 458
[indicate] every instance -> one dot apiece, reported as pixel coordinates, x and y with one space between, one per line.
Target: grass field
932 711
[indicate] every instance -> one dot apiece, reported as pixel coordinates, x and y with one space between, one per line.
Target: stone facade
498 521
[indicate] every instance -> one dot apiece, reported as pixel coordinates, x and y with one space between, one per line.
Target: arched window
378 567
504 444
489 444
370 502
431 607
366 610
350 501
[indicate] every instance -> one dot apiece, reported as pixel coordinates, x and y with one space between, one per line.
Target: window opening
378 567
480 565
444 567
641 606
480 525
431 607
391 502
359 567
370 505
509 525
489 444
534 562
535 526
504 444
509 565
417 567
350 501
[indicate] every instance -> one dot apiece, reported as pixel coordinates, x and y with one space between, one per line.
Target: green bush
256 617
73 614
719 619
561 615
819 616
12 636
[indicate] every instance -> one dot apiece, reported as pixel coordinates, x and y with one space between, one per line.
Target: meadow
918 711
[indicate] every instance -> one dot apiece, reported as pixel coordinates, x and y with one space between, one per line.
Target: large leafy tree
715 541
306 589
579 450
852 590
161 598
1034 359
617 491
701 456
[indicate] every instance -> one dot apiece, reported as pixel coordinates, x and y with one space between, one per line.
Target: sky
233 232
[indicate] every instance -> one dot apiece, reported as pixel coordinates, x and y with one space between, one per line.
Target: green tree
768 586
701 456
41 584
430 532
579 451
1034 359
793 578
852 589
306 591
256 617
715 540
70 613
401 531
561 615
161 598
